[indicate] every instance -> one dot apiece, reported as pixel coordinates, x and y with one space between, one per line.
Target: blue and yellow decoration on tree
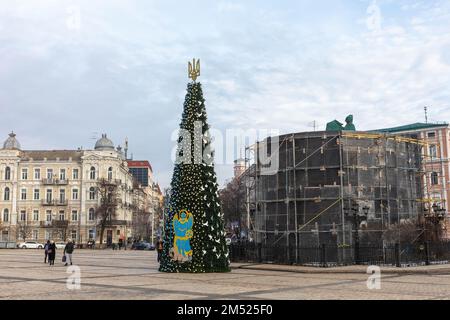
183 222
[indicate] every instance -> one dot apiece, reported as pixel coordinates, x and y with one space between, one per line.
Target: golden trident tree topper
194 69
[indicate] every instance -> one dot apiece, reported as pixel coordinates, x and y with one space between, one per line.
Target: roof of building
139 164
52 155
413 127
11 142
104 143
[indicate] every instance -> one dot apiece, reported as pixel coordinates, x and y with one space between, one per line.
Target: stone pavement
121 275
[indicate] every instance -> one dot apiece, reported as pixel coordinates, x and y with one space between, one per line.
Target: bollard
427 253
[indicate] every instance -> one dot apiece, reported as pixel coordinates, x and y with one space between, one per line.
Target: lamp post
356 217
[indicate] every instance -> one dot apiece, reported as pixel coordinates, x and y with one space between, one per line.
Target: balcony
54 224
116 223
59 202
53 181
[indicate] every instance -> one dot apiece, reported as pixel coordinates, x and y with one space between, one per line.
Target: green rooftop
412 127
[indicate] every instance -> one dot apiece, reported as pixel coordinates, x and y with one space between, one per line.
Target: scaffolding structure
320 174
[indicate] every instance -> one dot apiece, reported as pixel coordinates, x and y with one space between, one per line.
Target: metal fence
329 255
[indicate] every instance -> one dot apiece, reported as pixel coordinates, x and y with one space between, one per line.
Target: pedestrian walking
47 244
68 250
160 249
51 253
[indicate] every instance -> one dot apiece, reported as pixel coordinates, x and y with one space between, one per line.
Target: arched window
91 214
91 193
6 195
8 173
110 173
92 173
5 215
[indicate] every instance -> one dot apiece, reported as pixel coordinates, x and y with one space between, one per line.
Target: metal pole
295 198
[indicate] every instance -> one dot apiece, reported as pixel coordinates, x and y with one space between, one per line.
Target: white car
30 245
60 245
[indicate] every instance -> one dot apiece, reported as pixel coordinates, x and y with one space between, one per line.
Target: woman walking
51 253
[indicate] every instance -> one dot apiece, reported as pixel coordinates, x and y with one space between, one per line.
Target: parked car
138 246
30 245
143 245
148 245
60 245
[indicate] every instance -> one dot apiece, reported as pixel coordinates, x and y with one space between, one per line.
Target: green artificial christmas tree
194 236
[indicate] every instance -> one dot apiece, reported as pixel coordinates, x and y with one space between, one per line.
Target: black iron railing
333 255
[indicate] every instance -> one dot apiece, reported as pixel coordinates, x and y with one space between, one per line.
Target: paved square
122 275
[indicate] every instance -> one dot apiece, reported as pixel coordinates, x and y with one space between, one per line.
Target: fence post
323 255
259 252
427 253
397 255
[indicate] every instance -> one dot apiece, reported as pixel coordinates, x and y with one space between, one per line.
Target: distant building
147 216
52 194
239 167
436 160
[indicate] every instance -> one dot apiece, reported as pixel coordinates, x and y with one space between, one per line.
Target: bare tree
232 198
23 230
141 224
405 232
60 231
108 200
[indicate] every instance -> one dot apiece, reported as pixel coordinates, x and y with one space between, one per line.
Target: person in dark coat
159 248
46 250
68 250
51 253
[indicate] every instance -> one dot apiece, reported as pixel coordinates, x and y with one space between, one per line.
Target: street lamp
356 217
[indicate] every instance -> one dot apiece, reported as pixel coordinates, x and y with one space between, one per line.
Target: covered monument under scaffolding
302 201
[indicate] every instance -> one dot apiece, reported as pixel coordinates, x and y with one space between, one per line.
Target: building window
47 235
36 195
73 235
91 193
6 215
36 215
92 173
24 174
91 214
35 234
62 174
49 174
433 151
49 195
48 215
61 215
74 215
23 194
431 134
23 215
37 174
91 234
8 173
75 174
434 178
62 195
75 194
110 173
6 194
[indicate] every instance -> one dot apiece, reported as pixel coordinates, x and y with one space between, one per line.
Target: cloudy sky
71 70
